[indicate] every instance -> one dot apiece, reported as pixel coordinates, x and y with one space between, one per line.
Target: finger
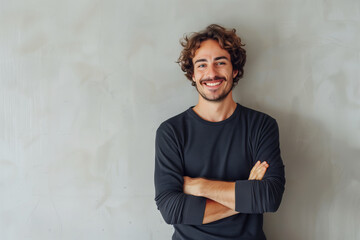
261 173
254 174
251 177
264 164
257 171
262 167
257 176
253 170
255 166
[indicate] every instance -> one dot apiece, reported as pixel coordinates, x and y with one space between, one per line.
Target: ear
235 72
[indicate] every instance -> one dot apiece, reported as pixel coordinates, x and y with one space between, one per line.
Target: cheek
230 73
198 75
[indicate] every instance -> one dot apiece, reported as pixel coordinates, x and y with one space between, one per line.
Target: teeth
212 84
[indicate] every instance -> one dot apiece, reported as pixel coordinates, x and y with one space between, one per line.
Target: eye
221 63
201 66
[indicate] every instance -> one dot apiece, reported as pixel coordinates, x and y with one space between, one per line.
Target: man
217 165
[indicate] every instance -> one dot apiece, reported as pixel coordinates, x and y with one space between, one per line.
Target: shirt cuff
194 209
243 196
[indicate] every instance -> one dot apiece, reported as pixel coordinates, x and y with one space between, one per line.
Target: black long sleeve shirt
187 145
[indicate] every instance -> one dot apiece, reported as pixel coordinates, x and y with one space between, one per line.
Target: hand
258 171
192 186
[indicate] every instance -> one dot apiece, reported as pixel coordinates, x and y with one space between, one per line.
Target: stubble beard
219 98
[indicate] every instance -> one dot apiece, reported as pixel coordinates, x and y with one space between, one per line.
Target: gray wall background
85 84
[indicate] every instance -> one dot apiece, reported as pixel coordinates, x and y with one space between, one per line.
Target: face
213 72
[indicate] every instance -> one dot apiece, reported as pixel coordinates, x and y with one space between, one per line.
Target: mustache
212 79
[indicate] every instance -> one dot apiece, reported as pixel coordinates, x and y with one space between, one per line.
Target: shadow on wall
310 174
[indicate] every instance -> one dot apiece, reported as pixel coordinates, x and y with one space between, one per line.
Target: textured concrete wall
85 84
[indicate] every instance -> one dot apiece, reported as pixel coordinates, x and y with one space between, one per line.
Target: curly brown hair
227 40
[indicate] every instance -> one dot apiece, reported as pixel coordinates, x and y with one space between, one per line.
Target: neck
215 111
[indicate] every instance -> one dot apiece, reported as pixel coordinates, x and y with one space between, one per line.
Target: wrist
202 187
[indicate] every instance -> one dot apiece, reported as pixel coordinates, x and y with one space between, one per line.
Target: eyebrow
215 59
222 57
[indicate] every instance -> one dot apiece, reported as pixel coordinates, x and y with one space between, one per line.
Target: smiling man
217 165
213 70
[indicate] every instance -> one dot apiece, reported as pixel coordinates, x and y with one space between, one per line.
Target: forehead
210 49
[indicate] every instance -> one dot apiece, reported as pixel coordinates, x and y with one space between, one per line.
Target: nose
211 71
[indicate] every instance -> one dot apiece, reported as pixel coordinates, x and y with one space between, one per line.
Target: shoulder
253 114
257 120
263 128
174 124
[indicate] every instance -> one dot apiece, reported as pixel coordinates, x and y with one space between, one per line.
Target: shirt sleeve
175 206
259 196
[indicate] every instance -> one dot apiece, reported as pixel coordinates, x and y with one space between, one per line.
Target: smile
213 84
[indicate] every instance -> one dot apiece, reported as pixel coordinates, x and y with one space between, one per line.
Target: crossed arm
220 195
195 201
